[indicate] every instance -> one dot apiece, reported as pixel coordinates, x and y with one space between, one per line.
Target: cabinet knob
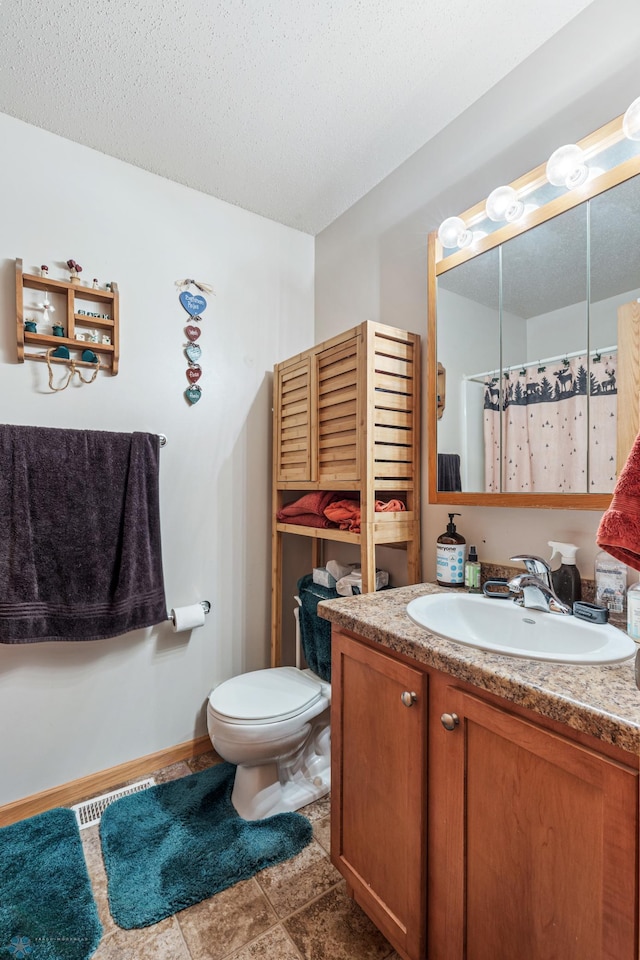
449 720
408 698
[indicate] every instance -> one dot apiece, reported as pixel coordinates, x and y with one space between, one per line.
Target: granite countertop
602 701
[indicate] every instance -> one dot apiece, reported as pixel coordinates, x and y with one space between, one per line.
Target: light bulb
503 204
453 233
566 167
631 121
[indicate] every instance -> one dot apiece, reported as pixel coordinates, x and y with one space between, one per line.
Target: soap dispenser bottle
450 551
566 579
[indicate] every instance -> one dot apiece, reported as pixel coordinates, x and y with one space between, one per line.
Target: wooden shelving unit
346 418
33 346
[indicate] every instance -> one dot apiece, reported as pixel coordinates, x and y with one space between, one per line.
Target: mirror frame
606 136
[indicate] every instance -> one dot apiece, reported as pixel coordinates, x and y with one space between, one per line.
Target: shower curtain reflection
574 400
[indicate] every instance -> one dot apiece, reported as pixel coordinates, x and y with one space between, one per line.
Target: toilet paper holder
206 606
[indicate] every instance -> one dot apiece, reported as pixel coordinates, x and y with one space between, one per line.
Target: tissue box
322 577
352 584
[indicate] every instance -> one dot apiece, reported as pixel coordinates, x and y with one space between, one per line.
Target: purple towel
80 551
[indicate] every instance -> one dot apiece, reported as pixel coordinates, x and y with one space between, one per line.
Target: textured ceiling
293 110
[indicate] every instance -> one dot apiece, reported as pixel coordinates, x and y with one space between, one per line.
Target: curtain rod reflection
481 377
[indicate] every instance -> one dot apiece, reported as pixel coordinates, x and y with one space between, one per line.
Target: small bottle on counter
611 582
633 611
472 571
450 552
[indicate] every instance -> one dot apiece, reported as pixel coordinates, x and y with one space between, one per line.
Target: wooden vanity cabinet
528 836
533 839
378 771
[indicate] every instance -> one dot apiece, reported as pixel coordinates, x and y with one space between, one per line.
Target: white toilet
274 725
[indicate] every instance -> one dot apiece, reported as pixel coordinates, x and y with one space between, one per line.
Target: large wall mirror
534 327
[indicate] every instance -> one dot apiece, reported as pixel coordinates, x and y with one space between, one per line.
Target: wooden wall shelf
33 346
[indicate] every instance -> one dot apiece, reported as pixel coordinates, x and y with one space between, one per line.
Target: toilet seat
264 696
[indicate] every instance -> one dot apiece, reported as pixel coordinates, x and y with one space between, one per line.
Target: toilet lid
265 696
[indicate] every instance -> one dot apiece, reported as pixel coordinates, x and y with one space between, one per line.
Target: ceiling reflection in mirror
539 340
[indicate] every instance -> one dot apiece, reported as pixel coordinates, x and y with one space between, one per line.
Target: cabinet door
378 788
533 841
293 418
339 414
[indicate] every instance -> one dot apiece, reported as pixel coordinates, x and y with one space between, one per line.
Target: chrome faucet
534 588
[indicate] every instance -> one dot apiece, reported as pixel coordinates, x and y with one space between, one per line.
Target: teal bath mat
47 910
179 843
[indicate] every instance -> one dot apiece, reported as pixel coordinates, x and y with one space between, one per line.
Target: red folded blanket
619 530
308 510
307 520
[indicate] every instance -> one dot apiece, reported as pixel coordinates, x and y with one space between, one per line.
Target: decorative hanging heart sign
193 394
193 303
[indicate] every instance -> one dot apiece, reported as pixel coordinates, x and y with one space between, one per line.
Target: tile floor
297 910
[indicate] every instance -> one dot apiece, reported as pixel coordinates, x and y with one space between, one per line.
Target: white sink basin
502 626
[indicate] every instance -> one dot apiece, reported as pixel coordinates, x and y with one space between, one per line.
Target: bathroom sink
502 626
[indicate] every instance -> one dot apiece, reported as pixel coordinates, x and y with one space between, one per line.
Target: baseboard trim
97 783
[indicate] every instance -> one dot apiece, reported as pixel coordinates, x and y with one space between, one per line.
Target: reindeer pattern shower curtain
558 428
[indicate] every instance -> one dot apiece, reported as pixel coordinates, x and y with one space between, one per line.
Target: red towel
346 513
310 503
619 530
390 506
307 520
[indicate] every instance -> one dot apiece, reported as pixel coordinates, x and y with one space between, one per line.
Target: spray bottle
566 579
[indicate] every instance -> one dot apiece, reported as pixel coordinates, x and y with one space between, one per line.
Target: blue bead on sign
193 303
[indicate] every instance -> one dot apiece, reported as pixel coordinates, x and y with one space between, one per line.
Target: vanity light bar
567 166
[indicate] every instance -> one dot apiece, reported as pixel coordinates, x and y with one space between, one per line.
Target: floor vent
89 812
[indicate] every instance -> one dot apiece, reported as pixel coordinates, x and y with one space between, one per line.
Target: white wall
468 344
371 262
67 710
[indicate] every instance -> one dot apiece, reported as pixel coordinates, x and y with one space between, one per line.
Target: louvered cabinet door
293 421
396 392
338 400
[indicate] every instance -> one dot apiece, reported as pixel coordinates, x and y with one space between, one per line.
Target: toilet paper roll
186 618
